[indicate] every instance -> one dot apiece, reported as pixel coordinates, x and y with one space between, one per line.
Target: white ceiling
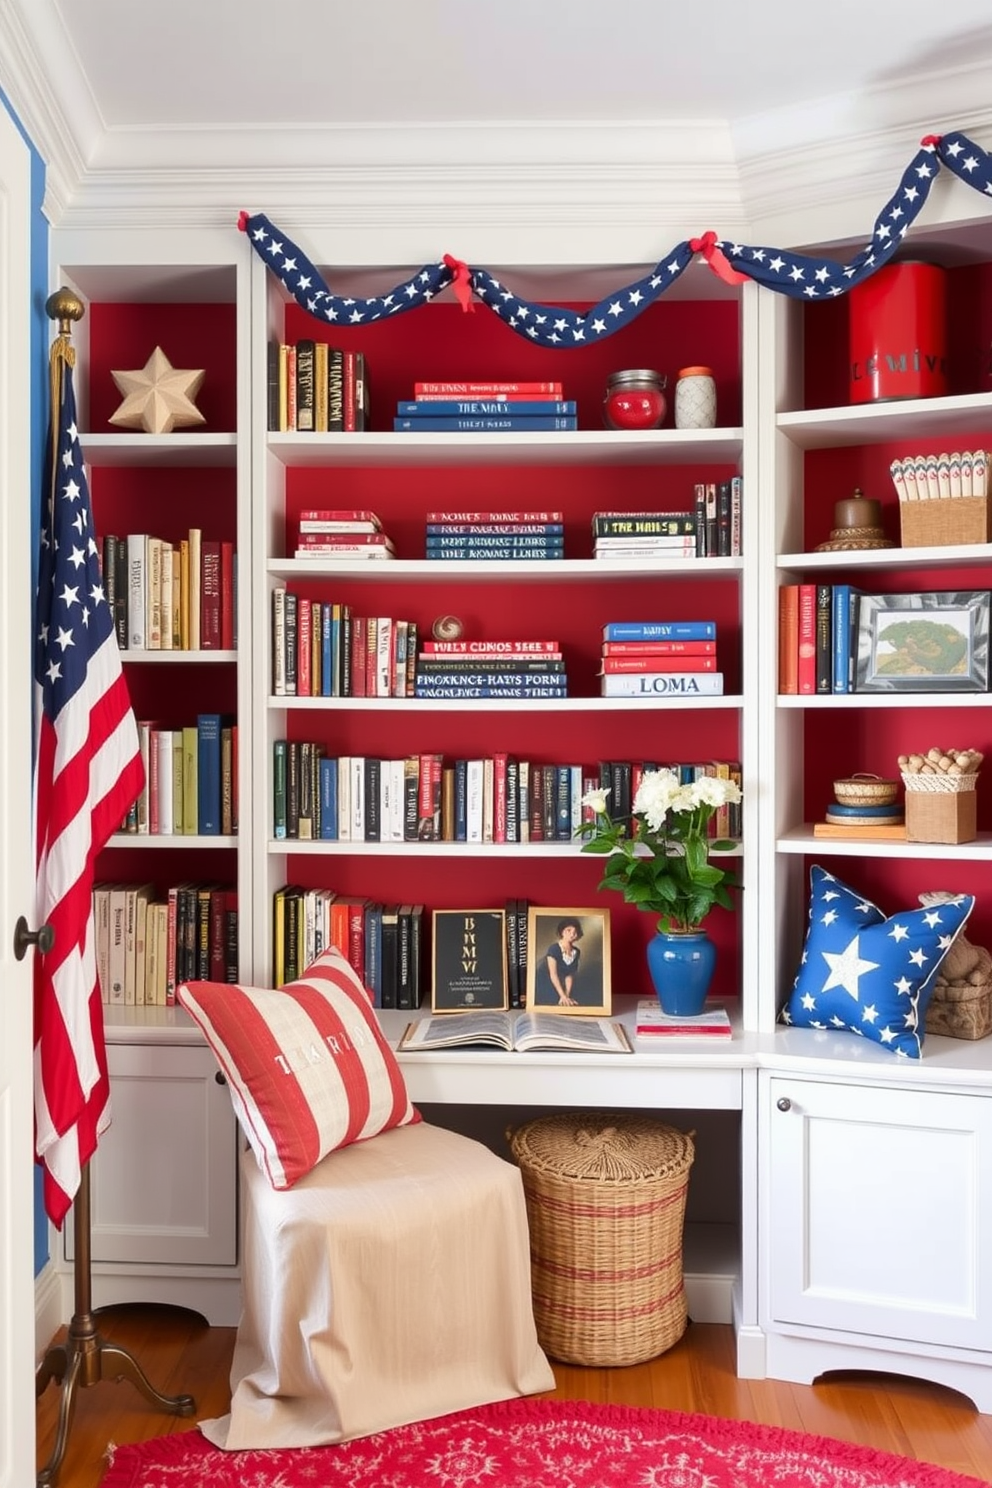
279 63
785 118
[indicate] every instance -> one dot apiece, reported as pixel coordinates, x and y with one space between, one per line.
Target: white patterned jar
695 399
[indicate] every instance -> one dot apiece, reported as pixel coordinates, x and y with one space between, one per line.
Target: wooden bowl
865 790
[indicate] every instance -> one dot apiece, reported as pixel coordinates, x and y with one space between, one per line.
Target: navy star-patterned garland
798 275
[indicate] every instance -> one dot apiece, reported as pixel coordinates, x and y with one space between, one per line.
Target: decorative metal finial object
64 306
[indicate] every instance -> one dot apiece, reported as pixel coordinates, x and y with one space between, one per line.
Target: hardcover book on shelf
652 1025
469 959
656 663
662 684
512 517
660 630
486 407
477 389
644 524
513 423
516 1032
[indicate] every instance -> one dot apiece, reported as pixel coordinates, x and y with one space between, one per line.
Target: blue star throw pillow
868 974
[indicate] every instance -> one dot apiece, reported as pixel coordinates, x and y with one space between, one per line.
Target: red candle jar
634 399
898 334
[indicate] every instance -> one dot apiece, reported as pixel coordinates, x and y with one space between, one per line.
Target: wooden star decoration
158 397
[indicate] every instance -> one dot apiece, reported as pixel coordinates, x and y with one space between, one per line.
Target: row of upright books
171 597
314 388
711 528
817 635
486 408
382 942
320 649
147 945
658 658
428 798
191 780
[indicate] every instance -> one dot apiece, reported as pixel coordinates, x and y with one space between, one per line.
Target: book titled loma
660 630
486 424
660 684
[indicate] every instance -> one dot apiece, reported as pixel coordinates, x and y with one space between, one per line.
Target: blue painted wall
37 374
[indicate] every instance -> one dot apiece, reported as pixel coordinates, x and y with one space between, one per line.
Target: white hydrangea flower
655 795
595 800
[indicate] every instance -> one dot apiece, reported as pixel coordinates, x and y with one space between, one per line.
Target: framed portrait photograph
469 960
932 642
568 960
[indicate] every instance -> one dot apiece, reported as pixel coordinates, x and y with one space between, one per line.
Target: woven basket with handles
606 1196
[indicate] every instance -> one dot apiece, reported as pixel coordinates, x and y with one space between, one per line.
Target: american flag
88 771
797 275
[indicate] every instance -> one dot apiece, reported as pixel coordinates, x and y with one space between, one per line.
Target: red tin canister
897 328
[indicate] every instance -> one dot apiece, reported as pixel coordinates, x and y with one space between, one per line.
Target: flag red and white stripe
88 771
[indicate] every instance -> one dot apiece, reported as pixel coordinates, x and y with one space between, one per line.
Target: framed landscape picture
568 960
930 642
469 960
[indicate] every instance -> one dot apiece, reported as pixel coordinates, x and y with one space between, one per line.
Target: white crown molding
625 191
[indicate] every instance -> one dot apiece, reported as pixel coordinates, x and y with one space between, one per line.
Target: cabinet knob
220 1078
784 1103
43 938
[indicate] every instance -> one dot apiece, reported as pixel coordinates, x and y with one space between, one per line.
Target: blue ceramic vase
681 968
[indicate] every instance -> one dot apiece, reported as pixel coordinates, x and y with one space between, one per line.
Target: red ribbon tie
462 282
707 245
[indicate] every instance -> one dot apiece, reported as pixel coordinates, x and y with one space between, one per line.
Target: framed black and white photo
469 965
931 642
568 960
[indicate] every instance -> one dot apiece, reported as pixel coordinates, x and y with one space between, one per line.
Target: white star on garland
157 397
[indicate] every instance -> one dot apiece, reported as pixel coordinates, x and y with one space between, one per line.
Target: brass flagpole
85 1358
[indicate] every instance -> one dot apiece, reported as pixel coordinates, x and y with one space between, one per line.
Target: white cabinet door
163 1182
878 1211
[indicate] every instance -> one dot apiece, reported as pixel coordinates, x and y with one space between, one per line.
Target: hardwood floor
180 1353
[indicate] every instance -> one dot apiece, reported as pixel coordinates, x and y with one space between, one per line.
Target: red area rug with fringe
537 1444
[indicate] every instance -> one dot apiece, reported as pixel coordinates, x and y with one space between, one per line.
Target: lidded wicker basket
606 1195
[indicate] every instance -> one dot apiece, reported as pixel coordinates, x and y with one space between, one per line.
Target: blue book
495 555
843 652
660 630
482 678
328 785
464 530
515 423
208 726
326 654
373 952
483 542
493 690
487 407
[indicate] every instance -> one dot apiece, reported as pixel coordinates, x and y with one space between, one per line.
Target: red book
304 643
337 519
326 542
356 937
806 670
655 664
476 517
659 648
788 639
209 595
499 797
227 596
548 649
218 934
486 389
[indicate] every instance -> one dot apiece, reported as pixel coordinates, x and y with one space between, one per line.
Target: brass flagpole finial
64 306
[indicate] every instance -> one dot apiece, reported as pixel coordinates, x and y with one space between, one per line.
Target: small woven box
606 1197
940 808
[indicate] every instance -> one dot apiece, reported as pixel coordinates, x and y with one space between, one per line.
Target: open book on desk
517 1032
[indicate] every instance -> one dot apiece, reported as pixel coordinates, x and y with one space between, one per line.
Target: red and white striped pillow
308 1066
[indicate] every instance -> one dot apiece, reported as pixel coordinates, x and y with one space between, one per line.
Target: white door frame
17 1320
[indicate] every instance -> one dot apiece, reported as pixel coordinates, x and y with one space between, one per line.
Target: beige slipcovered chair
390 1284
385 1261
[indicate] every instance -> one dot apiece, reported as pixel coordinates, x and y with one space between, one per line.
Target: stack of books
514 535
654 658
352 534
652 1025
485 408
620 534
491 669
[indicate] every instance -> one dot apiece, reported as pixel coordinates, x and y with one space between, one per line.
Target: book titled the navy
487 408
